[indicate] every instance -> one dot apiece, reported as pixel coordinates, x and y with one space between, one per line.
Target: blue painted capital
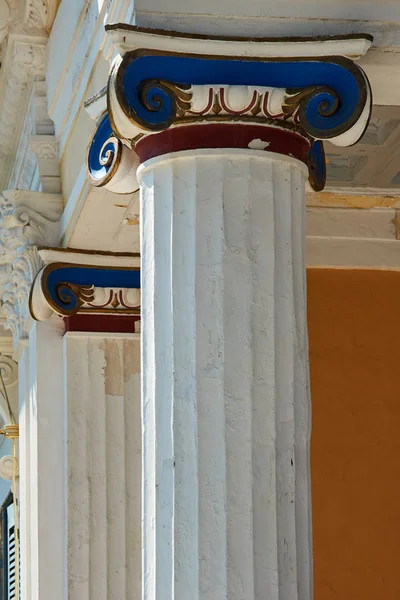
161 80
77 281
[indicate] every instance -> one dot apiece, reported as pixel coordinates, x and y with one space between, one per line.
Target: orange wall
354 332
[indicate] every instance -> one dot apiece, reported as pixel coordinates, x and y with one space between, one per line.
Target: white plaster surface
127 40
296 10
42 466
104 467
80 465
225 400
353 253
353 238
377 223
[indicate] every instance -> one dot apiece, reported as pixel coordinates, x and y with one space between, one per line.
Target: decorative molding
31 218
36 163
166 81
23 63
39 14
44 147
27 220
129 37
357 238
5 18
15 285
8 465
9 370
6 343
105 283
103 323
118 300
93 258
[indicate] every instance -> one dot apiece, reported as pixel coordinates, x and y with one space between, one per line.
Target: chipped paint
258 144
113 372
131 359
129 221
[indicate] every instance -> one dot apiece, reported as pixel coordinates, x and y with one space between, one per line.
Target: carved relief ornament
39 14
28 220
169 92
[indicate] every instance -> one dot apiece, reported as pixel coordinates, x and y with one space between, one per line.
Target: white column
104 466
226 416
42 465
24 471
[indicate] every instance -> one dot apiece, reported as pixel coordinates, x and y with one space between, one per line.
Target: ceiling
374 162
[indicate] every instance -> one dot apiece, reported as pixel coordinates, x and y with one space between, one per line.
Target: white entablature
24 30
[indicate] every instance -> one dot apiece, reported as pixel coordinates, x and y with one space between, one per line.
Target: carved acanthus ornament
169 92
28 220
39 14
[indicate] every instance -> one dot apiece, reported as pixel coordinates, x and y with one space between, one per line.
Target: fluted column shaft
103 444
225 399
80 462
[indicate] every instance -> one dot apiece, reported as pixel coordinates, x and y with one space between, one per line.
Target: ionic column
225 394
102 410
97 297
28 220
234 135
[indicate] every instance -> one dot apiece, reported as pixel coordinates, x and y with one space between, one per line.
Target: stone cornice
27 220
128 37
23 62
36 165
24 28
354 238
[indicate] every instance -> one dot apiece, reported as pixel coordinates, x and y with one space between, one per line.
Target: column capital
28 220
169 92
91 291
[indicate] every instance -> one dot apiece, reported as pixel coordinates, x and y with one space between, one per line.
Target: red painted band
102 323
223 135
